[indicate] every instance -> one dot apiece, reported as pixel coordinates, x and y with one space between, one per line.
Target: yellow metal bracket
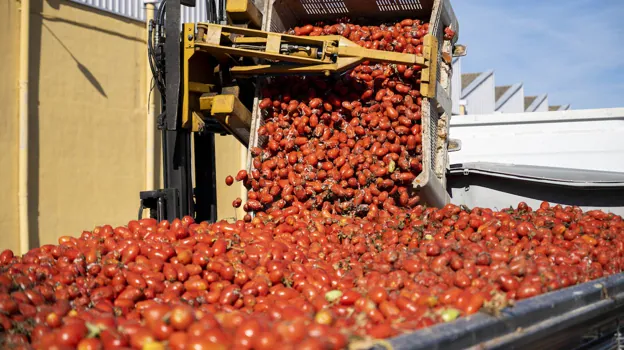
243 12
459 50
304 55
199 87
429 73
228 110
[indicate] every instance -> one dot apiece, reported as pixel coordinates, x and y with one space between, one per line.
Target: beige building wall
88 112
9 56
229 160
87 122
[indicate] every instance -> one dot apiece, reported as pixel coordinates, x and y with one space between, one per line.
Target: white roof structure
537 103
558 108
509 98
478 91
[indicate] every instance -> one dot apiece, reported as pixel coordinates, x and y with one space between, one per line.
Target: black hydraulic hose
218 11
211 9
161 11
152 60
207 3
223 6
150 53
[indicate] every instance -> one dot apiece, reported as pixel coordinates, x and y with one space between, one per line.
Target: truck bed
567 157
589 139
564 157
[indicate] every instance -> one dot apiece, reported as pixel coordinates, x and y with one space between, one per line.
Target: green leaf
333 295
391 166
94 331
449 314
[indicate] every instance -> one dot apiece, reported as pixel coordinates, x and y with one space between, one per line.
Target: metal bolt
190 37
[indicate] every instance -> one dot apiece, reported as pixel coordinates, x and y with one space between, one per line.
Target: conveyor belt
584 316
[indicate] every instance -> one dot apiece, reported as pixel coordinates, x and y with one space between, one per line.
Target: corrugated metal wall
194 14
135 9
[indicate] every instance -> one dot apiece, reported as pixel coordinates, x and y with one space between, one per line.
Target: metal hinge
459 50
454 145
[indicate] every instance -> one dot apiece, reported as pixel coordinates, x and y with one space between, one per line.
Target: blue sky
573 50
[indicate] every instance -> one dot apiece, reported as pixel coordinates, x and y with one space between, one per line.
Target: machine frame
209 72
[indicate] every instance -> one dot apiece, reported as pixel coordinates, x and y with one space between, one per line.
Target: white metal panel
481 100
194 14
456 85
477 195
515 104
581 139
135 9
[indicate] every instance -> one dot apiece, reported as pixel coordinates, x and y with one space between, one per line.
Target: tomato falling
351 145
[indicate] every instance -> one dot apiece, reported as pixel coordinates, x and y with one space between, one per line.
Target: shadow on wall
55 4
34 73
83 69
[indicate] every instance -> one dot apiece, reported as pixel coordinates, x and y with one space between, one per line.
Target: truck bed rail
568 318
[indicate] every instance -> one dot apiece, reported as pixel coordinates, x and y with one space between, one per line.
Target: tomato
6 256
377 294
249 328
141 338
527 290
462 280
229 180
381 331
509 283
178 340
8 306
324 317
89 344
154 314
161 330
241 175
181 317
71 334
474 304
292 331
53 320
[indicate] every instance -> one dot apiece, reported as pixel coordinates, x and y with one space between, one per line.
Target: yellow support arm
302 55
209 48
230 112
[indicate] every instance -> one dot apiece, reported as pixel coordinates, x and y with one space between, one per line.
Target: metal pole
23 127
176 140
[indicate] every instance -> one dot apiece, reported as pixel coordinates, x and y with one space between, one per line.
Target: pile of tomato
295 278
339 252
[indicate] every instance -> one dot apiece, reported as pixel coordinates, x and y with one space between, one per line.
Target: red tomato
181 317
71 334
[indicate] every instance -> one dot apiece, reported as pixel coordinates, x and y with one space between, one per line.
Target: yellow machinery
241 52
206 77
